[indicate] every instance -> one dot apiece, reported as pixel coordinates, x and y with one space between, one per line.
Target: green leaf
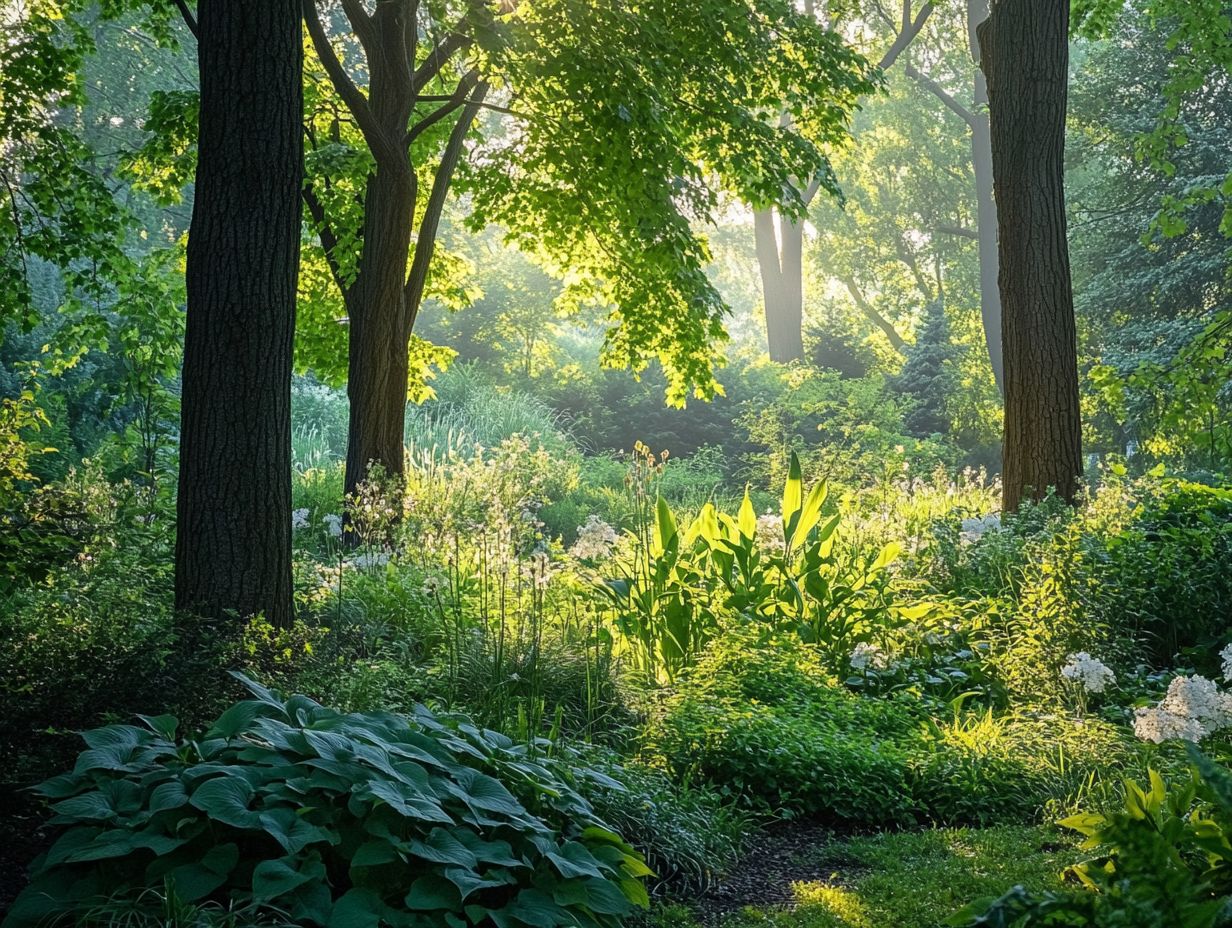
225 799
274 878
793 495
357 908
432 892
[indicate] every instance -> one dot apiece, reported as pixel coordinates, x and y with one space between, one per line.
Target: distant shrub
329 819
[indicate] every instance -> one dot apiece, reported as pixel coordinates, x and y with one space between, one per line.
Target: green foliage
1164 860
1137 577
928 375
584 72
690 836
332 819
791 574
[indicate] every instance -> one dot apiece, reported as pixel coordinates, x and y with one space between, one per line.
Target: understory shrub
303 813
761 721
1162 860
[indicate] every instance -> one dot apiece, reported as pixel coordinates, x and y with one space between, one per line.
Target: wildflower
1152 723
974 529
1193 708
539 570
1092 674
868 655
370 560
333 523
594 540
770 533
432 586
1226 656
299 519
1200 699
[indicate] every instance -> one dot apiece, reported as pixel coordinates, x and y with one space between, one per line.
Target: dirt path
776 858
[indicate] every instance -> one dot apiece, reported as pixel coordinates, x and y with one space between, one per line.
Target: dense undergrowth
685 658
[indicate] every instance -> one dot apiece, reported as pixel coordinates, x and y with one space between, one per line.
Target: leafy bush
1137 576
765 725
1164 860
332 819
789 572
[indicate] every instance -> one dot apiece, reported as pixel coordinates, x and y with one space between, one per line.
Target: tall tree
233 533
975 116
779 236
621 125
1025 57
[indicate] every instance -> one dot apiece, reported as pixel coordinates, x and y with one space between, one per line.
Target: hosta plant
347 821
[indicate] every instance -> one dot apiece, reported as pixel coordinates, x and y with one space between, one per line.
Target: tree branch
425 240
382 147
940 93
456 99
455 40
329 241
189 19
959 231
361 23
896 340
907 32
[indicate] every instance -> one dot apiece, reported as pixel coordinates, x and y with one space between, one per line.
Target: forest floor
803 875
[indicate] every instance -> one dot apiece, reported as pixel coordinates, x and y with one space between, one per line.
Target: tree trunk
1025 56
787 341
775 287
379 327
986 205
233 538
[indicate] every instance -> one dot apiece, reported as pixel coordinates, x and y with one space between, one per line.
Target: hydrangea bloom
1092 674
333 524
369 560
299 519
868 655
1193 708
594 540
1226 656
770 533
1152 723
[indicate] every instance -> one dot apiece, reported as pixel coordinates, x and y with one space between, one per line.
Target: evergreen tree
928 376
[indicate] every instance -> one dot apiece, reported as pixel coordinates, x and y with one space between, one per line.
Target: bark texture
1025 57
384 297
233 533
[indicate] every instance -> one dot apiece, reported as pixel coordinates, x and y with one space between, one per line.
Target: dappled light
557 464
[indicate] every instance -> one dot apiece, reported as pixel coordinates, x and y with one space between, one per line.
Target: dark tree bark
384 297
233 537
1025 57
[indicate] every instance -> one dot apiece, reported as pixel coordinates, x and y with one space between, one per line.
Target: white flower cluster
974 529
594 540
1193 708
770 533
299 519
1092 674
1226 656
369 560
868 655
333 524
